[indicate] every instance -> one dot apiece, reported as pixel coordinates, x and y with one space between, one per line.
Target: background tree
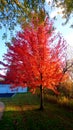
36 58
20 11
66 89
67 6
13 12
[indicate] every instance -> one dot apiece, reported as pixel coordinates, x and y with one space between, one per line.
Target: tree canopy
67 6
19 12
16 11
36 58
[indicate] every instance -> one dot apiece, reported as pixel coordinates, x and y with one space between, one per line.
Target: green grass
21 113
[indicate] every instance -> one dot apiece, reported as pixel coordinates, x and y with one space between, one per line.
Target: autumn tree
36 58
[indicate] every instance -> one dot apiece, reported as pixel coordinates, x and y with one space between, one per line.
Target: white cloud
69 39
47 1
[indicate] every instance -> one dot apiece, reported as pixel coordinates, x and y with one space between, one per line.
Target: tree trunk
41 98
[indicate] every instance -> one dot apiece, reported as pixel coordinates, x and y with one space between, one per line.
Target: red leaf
36 58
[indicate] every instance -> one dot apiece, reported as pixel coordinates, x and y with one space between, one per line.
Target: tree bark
41 98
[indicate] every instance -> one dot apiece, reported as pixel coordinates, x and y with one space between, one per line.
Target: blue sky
66 31
3 48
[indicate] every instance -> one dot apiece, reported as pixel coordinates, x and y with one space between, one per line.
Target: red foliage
36 57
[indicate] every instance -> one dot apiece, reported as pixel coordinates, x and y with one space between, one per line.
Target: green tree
15 11
67 5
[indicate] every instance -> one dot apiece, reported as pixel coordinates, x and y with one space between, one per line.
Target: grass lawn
21 113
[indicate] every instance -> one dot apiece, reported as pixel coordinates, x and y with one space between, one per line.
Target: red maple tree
36 58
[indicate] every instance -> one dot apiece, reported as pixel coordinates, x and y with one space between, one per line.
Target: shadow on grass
30 118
